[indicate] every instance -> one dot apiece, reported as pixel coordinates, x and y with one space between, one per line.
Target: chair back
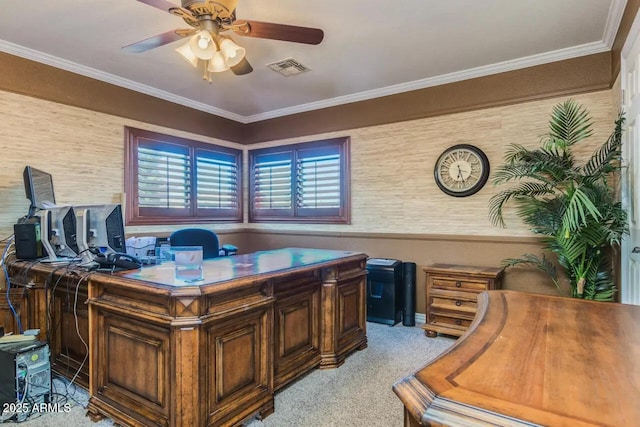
197 237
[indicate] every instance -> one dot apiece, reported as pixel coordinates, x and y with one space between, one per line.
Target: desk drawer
453 283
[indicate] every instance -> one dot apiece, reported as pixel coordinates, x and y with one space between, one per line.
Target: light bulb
217 64
202 42
232 53
202 45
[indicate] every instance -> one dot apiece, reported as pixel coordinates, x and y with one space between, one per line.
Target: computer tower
384 291
25 377
28 240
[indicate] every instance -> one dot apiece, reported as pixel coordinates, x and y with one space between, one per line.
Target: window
306 182
171 180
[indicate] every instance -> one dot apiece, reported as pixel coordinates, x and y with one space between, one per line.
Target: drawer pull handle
458 322
458 284
458 303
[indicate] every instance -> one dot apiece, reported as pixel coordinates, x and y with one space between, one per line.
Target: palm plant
573 207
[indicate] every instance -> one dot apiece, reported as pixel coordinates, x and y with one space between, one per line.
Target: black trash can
384 291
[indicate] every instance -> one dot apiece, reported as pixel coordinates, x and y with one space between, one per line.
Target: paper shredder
384 291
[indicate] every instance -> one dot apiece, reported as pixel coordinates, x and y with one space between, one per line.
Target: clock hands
460 176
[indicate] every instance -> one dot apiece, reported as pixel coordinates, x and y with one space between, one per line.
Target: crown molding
613 21
616 12
501 67
46 59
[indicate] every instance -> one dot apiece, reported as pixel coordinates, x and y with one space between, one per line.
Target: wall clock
461 170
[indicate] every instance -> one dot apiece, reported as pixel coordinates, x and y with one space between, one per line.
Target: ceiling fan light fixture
217 64
207 18
202 45
186 52
231 52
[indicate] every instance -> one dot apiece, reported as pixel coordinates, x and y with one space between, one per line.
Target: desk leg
329 343
186 411
343 316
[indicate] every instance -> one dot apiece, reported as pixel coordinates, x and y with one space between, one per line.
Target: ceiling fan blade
160 4
155 41
242 68
267 30
172 8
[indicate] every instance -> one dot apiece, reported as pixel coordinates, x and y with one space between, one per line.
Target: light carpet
357 393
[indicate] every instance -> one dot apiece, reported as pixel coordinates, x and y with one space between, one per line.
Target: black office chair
201 237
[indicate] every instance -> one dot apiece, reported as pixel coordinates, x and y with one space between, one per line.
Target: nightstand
452 292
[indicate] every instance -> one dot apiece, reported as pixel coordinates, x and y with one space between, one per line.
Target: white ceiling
371 48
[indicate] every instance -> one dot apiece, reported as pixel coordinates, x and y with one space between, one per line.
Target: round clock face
461 170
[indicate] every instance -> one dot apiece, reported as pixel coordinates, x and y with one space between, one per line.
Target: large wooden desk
164 352
168 353
533 360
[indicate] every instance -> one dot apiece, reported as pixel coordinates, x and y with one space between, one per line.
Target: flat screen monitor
38 187
58 227
99 229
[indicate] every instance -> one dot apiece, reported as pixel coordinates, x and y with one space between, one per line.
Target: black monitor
99 228
38 187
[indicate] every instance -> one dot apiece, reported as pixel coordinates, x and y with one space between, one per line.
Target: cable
65 301
6 276
6 238
50 286
9 241
50 296
23 276
25 391
71 395
75 315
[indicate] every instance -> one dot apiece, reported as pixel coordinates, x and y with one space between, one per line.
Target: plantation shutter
305 183
217 178
163 179
318 181
272 183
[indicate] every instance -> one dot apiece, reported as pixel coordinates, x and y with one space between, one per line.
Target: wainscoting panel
421 249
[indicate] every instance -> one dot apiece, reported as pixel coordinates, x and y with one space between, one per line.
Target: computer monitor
38 187
99 229
58 228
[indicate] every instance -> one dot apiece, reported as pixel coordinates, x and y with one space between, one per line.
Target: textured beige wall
82 149
393 190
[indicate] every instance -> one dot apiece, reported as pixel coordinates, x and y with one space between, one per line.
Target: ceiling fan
210 49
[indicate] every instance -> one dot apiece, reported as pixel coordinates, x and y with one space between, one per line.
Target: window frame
135 215
296 214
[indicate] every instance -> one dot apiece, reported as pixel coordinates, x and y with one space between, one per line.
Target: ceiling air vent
288 67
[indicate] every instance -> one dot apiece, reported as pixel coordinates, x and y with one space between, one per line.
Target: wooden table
533 360
168 352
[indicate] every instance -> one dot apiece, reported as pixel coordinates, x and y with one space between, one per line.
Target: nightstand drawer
451 303
459 284
443 320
